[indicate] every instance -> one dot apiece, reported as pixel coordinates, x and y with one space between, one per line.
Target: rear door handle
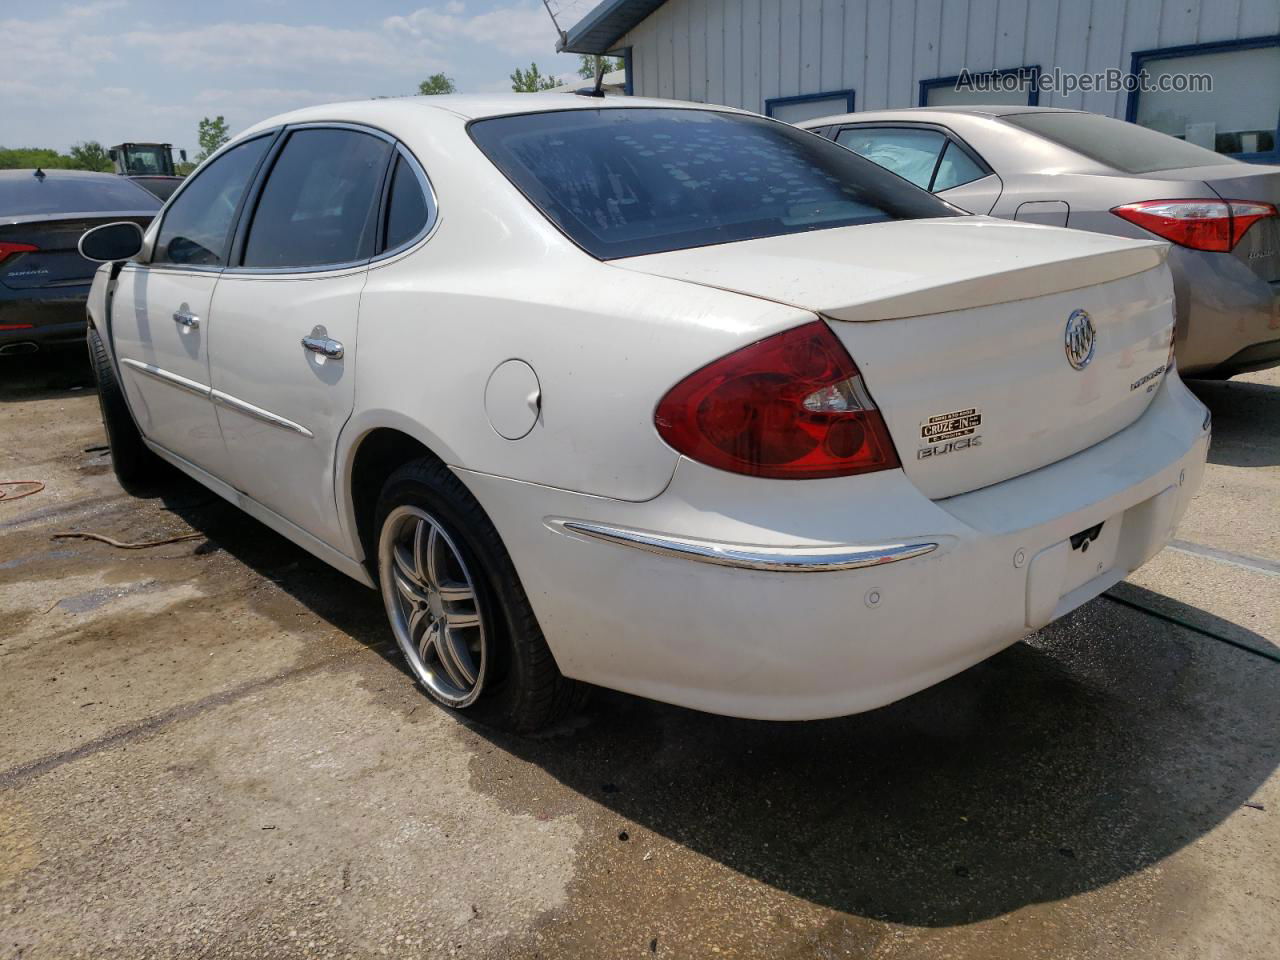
323 345
186 319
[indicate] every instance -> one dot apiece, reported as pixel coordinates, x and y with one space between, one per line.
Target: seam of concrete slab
1226 556
1188 625
29 771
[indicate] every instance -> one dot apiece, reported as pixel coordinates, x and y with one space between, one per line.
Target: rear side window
319 205
407 207
956 168
1125 146
911 154
197 225
24 194
625 182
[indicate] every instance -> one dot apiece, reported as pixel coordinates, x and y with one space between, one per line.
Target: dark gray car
1070 168
44 280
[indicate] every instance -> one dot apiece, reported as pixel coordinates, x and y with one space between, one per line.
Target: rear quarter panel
605 344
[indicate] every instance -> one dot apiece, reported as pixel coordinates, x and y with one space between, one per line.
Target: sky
148 70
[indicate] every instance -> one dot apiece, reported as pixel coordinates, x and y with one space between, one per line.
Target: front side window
1238 116
1124 146
197 225
319 204
911 154
624 182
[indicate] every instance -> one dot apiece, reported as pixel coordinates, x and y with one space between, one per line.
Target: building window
809 106
1240 116
1015 87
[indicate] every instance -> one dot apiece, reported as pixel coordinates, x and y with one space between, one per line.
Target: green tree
532 80
26 158
437 83
213 134
587 65
91 155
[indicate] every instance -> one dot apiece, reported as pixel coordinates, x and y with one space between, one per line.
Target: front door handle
326 346
186 319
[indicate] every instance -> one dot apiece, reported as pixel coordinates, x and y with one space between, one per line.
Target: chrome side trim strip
806 558
164 376
217 396
266 416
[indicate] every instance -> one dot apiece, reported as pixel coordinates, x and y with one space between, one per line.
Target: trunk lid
959 328
56 262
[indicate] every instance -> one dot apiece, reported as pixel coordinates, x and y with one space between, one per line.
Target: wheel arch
374 449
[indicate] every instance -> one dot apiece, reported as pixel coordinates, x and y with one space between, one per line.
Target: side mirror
111 242
184 155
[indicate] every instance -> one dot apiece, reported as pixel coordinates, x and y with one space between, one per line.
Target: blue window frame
1142 60
783 103
1029 75
625 53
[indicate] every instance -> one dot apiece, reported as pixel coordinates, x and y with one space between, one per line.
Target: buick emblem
1080 338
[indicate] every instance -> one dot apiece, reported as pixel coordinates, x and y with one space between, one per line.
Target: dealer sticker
951 426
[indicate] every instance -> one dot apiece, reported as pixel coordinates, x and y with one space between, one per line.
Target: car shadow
334 597
1184 614
1244 419
1101 747
49 374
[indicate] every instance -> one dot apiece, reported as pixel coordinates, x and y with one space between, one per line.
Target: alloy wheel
432 604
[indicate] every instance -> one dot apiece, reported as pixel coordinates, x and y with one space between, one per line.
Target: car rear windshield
1125 146
624 182
27 194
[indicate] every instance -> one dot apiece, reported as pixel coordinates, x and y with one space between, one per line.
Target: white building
797 59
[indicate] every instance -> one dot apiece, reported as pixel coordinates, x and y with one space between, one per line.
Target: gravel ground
210 749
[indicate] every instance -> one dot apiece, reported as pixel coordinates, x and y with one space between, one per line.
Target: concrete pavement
209 749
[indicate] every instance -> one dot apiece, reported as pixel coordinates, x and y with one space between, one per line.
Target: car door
161 317
283 351
931 158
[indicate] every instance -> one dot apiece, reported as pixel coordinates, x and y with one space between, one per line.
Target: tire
134 463
456 606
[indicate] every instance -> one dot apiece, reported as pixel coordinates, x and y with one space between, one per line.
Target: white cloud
520 28
274 46
84 11
56 48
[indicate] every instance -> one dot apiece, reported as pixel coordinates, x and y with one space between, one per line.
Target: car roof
390 111
932 113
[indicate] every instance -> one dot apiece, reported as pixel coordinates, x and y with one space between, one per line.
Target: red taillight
792 406
9 249
1215 225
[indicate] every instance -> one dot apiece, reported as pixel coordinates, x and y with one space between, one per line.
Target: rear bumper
733 639
1227 315
41 317
1259 356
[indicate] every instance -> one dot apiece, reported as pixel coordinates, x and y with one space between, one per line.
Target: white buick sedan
663 397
